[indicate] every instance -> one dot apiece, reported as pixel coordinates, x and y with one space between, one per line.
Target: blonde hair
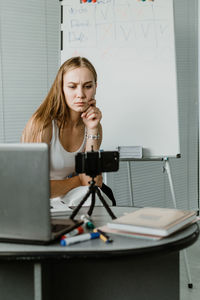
54 106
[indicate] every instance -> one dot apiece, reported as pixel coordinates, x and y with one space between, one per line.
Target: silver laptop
24 196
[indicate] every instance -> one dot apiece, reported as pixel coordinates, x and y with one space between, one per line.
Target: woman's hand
92 116
85 180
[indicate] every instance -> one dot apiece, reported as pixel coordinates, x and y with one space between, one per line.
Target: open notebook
25 196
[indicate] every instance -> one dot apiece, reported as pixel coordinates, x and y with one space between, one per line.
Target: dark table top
120 246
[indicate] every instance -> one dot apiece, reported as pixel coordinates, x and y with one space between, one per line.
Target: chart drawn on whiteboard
132 46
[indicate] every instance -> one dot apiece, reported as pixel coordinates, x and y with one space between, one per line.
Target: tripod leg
105 203
92 204
80 204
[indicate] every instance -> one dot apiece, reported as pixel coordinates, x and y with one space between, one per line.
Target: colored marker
74 232
104 237
79 238
87 222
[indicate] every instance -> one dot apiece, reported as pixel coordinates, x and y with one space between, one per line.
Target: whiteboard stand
129 182
166 168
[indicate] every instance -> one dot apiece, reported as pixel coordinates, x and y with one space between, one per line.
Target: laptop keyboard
58 227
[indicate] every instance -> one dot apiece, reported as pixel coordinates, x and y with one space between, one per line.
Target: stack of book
130 151
151 222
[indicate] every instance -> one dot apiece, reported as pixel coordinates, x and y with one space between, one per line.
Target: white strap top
62 162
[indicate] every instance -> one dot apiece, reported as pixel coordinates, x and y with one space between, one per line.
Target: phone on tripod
93 163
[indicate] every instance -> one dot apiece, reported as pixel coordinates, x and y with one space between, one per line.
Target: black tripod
93 190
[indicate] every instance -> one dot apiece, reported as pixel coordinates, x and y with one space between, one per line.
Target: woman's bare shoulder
47 134
29 135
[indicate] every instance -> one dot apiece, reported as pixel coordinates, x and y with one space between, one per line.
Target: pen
104 237
79 238
74 232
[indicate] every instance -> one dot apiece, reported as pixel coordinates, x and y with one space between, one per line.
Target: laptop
25 196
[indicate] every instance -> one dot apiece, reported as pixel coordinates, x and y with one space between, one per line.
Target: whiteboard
132 46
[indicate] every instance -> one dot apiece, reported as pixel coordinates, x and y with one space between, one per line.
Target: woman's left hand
85 180
92 116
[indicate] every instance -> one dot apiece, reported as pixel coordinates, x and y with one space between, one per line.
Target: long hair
54 106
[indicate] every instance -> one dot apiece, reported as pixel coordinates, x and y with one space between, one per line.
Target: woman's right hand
92 117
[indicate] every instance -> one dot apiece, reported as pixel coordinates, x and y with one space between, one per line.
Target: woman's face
79 87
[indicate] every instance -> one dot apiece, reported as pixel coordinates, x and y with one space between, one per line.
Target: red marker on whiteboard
89 1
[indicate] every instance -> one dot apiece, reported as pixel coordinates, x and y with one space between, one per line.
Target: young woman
69 122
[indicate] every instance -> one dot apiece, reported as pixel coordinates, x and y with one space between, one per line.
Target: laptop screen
25 191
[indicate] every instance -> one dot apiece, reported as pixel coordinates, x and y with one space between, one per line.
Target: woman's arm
85 180
91 119
57 187
62 187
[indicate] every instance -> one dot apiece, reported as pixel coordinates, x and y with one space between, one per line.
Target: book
130 151
106 229
153 221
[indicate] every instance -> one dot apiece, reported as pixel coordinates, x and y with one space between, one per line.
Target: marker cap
90 225
94 235
63 243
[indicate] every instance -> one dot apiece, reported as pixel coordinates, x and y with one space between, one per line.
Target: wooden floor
193 253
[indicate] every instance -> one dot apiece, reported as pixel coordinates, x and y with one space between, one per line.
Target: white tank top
62 162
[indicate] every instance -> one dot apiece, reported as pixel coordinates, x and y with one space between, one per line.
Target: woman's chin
79 109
